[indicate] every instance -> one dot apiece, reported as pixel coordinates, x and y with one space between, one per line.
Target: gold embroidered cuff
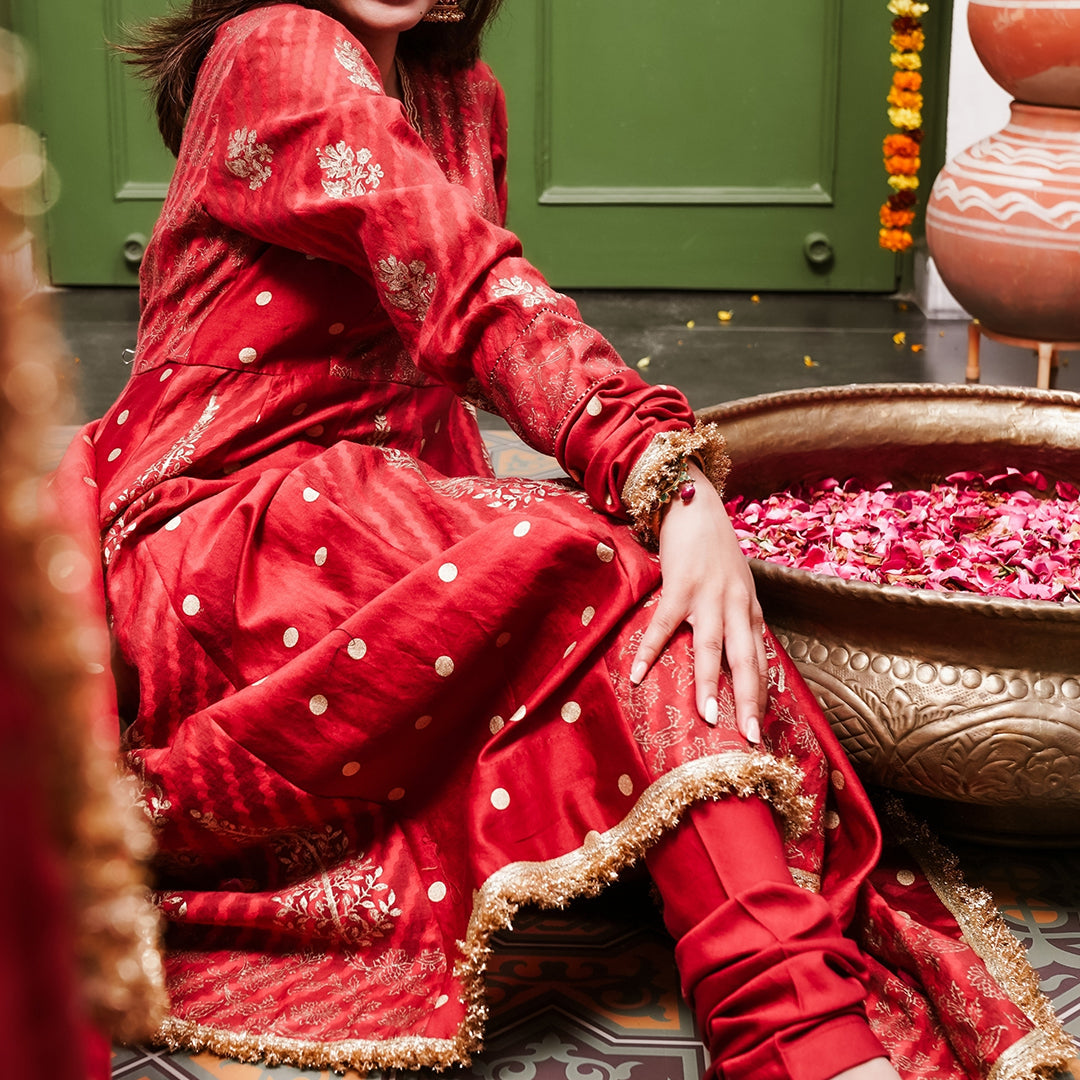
657 471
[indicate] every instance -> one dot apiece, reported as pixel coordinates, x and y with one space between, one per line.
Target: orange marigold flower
912 41
894 239
895 219
905 99
903 145
902 166
907 80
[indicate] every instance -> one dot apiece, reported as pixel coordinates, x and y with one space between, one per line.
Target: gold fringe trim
653 478
553 883
1044 1053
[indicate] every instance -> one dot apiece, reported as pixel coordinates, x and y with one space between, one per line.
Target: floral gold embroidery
343 902
178 457
382 430
530 294
352 60
248 158
349 172
505 494
409 287
400 972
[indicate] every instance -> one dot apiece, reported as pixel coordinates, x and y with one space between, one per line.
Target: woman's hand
707 583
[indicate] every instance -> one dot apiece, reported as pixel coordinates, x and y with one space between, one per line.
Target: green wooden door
655 145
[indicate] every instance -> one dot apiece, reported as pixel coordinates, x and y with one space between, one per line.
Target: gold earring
444 11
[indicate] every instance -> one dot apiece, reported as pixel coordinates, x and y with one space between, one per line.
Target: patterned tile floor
591 993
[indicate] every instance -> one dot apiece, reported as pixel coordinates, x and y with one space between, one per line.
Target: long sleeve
303 149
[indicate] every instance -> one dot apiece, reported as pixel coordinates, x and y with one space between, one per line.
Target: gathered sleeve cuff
656 474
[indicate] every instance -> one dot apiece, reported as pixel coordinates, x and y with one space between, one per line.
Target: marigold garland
901 152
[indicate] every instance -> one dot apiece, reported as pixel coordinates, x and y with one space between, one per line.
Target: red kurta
379 697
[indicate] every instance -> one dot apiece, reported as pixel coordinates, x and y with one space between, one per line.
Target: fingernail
753 730
712 712
637 672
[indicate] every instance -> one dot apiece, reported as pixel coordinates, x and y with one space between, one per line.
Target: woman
378 698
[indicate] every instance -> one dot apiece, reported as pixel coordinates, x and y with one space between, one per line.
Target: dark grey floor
848 338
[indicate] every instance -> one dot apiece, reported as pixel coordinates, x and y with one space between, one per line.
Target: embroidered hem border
1042 1054
653 478
585 871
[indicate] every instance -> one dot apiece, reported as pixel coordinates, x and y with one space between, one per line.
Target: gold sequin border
1044 1053
585 871
658 468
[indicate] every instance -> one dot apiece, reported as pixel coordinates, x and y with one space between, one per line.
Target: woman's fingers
708 657
739 640
744 662
662 626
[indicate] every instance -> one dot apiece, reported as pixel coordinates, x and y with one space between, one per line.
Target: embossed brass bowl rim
934 429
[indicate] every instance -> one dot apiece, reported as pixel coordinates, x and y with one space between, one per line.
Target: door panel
100 136
653 145
141 166
659 125
697 149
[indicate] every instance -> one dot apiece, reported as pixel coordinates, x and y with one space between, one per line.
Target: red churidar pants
775 986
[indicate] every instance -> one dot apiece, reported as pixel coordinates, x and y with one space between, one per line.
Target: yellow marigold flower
899 338
905 118
903 183
912 41
907 80
894 239
908 7
907 61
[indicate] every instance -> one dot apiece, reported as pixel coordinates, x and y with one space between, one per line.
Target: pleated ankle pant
776 988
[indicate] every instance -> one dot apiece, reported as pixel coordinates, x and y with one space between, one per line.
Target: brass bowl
970 702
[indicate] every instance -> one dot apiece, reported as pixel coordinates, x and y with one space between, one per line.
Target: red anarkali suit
378 697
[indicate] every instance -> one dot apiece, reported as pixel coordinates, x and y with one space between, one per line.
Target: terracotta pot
970 702
1003 225
1030 47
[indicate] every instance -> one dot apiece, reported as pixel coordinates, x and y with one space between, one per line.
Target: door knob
133 250
818 249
